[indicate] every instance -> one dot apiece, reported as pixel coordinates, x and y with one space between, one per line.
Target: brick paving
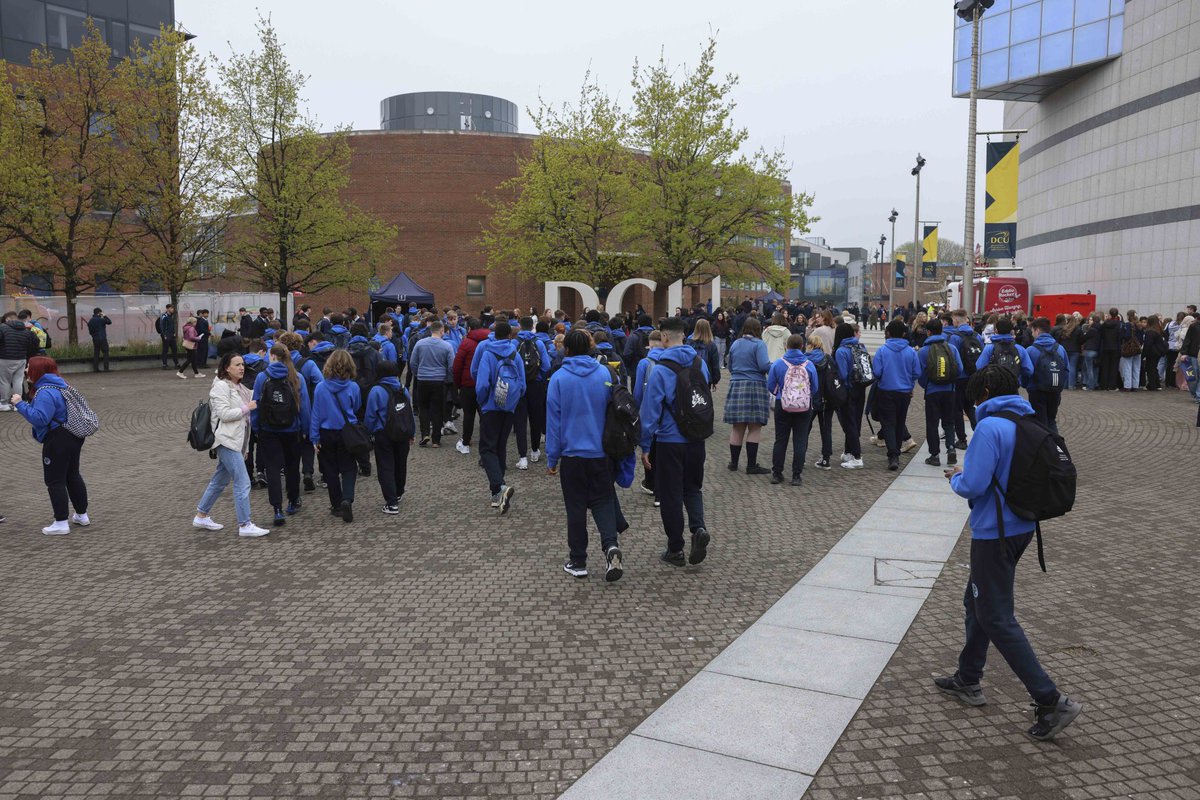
439 654
1114 622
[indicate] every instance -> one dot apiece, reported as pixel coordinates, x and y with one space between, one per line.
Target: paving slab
898 544
943 522
921 498
859 573
863 615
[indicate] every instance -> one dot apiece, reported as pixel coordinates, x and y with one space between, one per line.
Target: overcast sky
851 90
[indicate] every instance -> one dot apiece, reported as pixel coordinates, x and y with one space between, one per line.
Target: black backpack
862 373
622 426
278 405
200 433
366 368
834 394
528 348
252 372
1041 476
1050 371
970 347
341 341
399 425
693 410
158 326
940 366
641 346
1004 354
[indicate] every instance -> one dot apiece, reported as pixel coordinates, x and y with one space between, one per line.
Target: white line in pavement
760 720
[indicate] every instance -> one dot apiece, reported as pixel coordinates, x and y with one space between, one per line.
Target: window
1026 23
1057 15
1023 61
1116 32
24 20
476 285
40 283
962 42
1056 52
116 39
1091 42
1117 7
1090 11
993 68
150 13
995 32
109 9
962 77
142 34
65 27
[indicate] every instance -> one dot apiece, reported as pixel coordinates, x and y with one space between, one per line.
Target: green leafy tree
293 231
700 206
65 185
172 133
567 213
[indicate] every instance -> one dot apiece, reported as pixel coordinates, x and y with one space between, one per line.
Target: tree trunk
175 304
72 328
286 322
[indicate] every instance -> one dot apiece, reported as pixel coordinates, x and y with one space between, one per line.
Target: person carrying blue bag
499 386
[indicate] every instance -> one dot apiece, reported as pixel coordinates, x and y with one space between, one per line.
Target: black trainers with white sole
969 693
506 496
614 569
575 570
674 559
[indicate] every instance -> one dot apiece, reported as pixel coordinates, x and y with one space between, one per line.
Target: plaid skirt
747 403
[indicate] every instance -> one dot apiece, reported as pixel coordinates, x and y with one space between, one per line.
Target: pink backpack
796 395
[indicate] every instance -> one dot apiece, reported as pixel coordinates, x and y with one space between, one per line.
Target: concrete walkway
762 717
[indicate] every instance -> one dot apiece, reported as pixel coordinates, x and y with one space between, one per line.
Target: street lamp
918 252
971 10
892 219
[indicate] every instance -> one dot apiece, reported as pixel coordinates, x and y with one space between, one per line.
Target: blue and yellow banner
1000 211
930 259
901 263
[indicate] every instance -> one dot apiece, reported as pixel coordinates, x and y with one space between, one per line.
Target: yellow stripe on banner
1002 188
931 245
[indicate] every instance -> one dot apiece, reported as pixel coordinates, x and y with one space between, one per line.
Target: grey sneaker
969 693
613 567
1049 721
506 495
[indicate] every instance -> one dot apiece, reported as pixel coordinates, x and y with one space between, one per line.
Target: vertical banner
1000 211
901 260
929 261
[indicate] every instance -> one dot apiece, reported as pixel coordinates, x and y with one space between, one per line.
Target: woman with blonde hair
191 345
335 405
822 412
703 343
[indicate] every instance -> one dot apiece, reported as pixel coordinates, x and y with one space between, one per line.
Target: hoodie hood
817 357
338 385
277 369
1045 340
252 358
339 329
1009 402
848 341
502 349
940 337
580 365
796 357
478 335
49 380
654 353
1003 337
390 381
323 347
898 344
774 332
605 347
683 355
358 340
526 335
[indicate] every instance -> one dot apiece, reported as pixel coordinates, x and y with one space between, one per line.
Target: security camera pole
971 10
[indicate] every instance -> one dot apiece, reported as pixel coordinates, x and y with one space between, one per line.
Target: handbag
189 344
355 438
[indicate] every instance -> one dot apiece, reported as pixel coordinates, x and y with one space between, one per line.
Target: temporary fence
133 315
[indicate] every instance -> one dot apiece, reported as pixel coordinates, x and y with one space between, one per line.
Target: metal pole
918 249
968 289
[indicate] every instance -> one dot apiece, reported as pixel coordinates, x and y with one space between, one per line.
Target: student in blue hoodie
335 404
637 344
1004 351
391 455
644 369
499 386
383 337
963 338
988 599
255 364
280 421
940 402
310 376
747 405
850 416
576 402
529 421
794 425
339 334
1044 397
61 449
896 372
679 468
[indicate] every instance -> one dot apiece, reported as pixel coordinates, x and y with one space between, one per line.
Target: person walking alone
392 425
432 363
98 329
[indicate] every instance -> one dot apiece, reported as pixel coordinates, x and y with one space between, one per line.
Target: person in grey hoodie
775 337
432 363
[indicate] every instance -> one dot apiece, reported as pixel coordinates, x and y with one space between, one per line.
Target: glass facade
447 111
1028 48
60 25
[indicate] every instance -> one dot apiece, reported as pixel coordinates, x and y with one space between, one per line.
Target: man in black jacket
1110 351
17 345
98 330
204 331
168 331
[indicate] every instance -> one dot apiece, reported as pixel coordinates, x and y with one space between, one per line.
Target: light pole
918 251
971 10
892 219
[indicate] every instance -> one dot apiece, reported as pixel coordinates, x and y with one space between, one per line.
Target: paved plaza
445 654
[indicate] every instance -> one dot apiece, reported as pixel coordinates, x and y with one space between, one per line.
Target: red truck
993 294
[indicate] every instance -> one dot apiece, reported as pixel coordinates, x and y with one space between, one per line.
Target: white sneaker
199 374
181 375
251 530
522 463
59 528
535 456
908 446
852 463
449 428
846 457
5 407
465 449
81 519
206 524
875 440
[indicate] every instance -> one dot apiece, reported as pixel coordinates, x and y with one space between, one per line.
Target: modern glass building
447 111
60 25
1029 48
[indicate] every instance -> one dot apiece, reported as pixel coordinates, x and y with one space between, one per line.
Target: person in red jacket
465 383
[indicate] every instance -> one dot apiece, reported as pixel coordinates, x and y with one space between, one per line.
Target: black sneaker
424 442
575 570
933 461
506 495
335 510
969 693
347 511
365 471
893 464
1049 721
280 519
797 481
614 570
961 444
951 457
392 509
755 469
309 486
674 559
776 478
733 467
699 546
822 464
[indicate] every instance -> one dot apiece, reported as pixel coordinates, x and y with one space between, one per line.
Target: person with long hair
704 343
847 350
720 330
335 405
61 449
1131 352
822 412
191 347
1090 351
747 405
1070 336
230 404
1154 353
281 421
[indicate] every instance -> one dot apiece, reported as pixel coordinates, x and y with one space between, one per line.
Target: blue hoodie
1042 344
780 368
308 368
576 402
377 403
477 356
455 336
923 360
895 366
543 354
986 356
332 394
339 335
387 350
631 341
278 370
643 367
845 360
955 335
48 409
658 421
489 365
988 457
748 360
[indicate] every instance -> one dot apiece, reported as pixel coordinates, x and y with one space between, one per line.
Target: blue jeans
1131 372
1089 368
1072 369
230 467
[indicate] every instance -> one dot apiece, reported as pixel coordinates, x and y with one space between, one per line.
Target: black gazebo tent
400 291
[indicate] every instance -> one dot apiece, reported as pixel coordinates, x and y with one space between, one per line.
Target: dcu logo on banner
1000 213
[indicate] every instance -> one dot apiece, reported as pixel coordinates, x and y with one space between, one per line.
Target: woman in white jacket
230 404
